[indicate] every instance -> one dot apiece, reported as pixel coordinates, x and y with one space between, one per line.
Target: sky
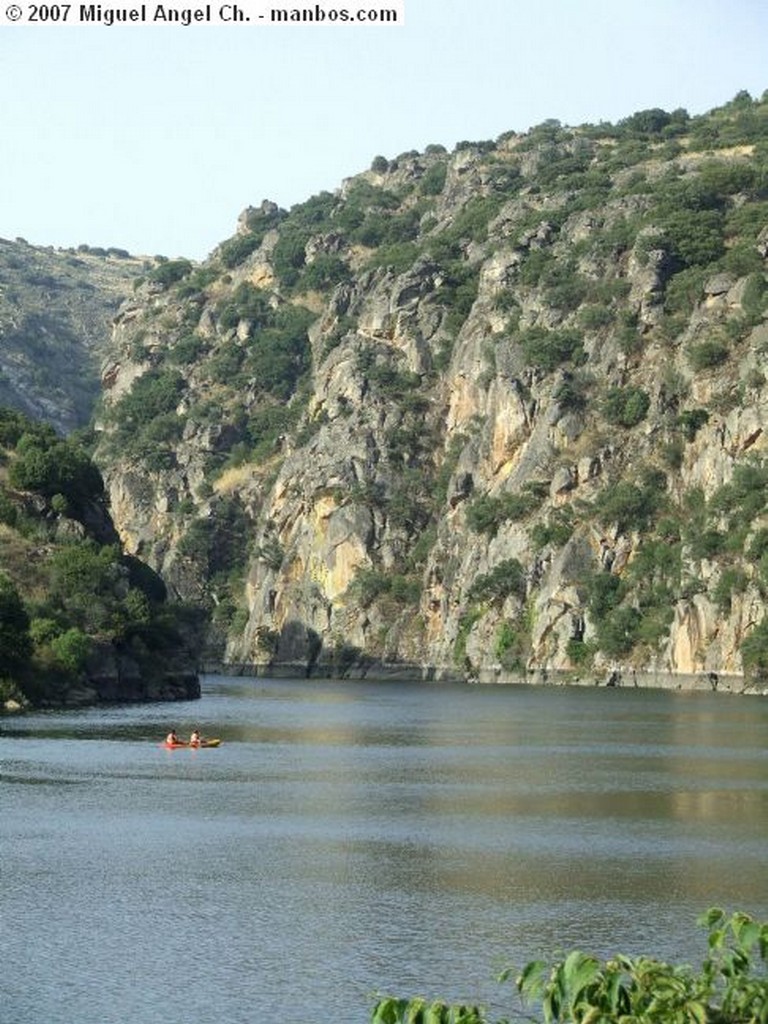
154 138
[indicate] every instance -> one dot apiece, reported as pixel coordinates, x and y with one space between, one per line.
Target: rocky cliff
494 413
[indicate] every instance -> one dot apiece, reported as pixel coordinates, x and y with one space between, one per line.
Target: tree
15 641
508 577
647 122
754 651
71 649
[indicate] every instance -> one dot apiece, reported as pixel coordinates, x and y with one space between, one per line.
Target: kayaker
195 739
172 739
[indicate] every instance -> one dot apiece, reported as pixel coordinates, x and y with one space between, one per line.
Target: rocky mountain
56 308
495 413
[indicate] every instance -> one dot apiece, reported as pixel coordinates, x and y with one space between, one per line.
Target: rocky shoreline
113 677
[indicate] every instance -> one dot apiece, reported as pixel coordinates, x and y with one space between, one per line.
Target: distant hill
55 312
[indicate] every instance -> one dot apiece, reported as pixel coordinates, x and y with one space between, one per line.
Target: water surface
349 838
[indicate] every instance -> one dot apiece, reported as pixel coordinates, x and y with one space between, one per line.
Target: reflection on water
354 837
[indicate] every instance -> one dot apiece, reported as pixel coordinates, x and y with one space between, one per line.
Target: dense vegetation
66 588
730 987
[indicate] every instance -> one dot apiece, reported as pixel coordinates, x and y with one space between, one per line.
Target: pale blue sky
153 139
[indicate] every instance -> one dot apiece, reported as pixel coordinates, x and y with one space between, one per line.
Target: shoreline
701 682
733 683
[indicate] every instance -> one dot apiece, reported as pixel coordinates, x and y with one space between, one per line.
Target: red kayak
194 746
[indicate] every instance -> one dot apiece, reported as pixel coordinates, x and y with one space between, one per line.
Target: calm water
349 838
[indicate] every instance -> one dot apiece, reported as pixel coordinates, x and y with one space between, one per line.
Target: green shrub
730 987
400 227
169 272
225 364
691 421
234 251
219 544
433 181
71 649
754 652
397 257
13 424
754 298
52 466
556 530
303 221
745 497
277 362
732 581
467 622
486 514
9 514
512 647
625 407
186 350
549 349
695 237
629 506
707 544
15 641
155 393
591 318
759 544
604 592
504 580
618 632
246 303
646 122
684 290
324 272
534 266
163 430
372 584
83 569
581 653
708 354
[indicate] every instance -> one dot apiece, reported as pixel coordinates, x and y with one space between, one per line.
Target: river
349 838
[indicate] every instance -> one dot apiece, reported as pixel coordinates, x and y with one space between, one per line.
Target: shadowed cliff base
385 671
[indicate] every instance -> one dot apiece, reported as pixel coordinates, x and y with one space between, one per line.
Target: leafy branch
730 988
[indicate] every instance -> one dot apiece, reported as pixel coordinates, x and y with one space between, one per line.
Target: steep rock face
492 413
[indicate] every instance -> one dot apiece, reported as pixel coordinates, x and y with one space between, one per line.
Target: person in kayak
172 740
195 739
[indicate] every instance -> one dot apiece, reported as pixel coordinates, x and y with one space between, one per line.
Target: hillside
80 621
496 413
56 308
